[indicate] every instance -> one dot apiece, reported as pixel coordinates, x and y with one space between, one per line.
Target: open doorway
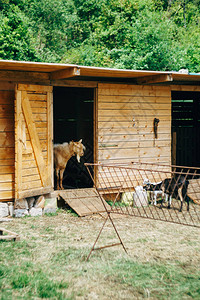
186 128
74 120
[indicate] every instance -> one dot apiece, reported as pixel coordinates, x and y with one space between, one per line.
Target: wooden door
33 140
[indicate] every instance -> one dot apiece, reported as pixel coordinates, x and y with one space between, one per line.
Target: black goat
176 187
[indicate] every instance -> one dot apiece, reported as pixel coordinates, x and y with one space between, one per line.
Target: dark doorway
186 128
73 120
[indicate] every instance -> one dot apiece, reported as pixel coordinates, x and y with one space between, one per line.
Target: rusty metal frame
118 179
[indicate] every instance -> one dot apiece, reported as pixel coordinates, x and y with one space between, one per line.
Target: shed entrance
74 120
186 128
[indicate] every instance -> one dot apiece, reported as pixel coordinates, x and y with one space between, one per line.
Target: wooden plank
7 153
73 83
134 99
7 139
38 104
9 235
31 185
133 130
185 88
23 76
134 144
50 162
7 170
40 97
130 124
42 110
6 178
129 117
138 152
35 192
65 73
155 79
114 138
34 138
6 110
6 186
132 105
7 194
138 112
7 86
83 201
7 124
159 160
18 144
43 145
31 177
34 88
7 97
125 89
7 162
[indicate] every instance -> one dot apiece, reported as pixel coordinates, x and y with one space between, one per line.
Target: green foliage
129 34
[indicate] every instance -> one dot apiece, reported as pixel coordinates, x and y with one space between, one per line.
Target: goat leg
169 201
188 203
181 198
61 179
163 195
57 177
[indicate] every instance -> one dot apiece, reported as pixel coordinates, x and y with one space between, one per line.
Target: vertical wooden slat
18 144
50 138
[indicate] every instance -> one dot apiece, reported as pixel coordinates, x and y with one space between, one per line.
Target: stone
11 208
34 212
49 210
19 213
40 201
50 204
21 204
4 212
30 201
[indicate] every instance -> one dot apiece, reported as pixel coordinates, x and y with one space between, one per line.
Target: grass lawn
163 260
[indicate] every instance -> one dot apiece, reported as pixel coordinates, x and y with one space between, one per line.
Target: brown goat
62 153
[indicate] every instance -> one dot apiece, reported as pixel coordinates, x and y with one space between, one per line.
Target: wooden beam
65 73
75 83
155 79
23 76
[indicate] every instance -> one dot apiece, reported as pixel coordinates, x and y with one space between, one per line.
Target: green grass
56 267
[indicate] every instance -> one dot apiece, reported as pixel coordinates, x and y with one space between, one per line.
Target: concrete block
34 212
49 210
11 208
19 213
4 212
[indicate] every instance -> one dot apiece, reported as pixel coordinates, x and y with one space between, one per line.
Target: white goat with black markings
62 154
168 188
155 190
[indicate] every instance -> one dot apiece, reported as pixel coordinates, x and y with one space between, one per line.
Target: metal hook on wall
155 127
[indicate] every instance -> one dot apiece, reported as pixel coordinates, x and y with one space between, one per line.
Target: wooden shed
111 110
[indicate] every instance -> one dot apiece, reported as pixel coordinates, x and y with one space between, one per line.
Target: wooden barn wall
7 143
125 123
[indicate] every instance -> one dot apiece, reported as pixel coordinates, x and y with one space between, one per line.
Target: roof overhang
53 72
